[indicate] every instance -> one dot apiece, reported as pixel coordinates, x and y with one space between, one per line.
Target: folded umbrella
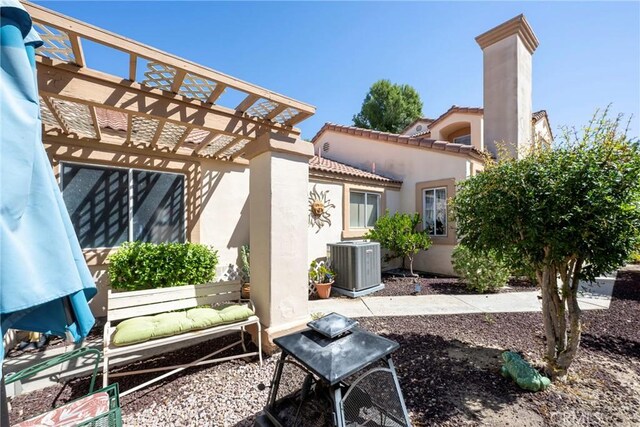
45 284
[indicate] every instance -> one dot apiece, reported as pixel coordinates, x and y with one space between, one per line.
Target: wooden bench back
124 305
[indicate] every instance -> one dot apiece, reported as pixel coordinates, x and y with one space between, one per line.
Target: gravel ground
448 368
397 285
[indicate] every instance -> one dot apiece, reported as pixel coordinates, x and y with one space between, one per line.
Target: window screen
100 199
98 203
435 211
158 207
363 209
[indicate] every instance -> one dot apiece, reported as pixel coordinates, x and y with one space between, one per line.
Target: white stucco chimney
507 51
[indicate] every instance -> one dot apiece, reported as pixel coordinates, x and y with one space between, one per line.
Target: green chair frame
112 418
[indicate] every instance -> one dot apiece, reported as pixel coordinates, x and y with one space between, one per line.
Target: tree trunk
557 305
411 266
571 285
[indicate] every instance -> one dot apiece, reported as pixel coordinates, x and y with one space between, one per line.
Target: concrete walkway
593 296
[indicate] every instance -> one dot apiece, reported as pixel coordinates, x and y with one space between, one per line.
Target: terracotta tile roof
423 133
456 109
327 165
394 138
112 119
477 110
419 119
539 115
118 121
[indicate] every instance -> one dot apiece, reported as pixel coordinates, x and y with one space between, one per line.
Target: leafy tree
389 107
571 212
399 234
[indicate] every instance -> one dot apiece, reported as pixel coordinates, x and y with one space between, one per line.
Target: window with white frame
465 139
109 206
364 209
434 215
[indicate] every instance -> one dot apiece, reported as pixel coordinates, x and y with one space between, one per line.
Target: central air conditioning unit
357 267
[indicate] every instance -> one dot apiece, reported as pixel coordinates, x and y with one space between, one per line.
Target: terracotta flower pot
324 289
245 290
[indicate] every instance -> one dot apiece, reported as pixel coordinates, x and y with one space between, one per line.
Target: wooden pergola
165 103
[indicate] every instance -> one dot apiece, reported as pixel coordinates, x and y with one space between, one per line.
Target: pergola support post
279 177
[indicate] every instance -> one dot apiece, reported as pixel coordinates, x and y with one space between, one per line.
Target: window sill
97 256
355 233
450 239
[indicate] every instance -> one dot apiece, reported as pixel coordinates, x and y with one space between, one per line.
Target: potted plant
322 277
245 290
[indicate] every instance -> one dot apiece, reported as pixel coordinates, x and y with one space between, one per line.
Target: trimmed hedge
138 265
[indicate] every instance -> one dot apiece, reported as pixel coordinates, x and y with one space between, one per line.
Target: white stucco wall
542 132
224 221
319 237
507 94
408 164
474 121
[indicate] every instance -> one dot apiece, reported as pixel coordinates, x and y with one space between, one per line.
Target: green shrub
138 265
634 256
482 272
320 272
400 235
245 257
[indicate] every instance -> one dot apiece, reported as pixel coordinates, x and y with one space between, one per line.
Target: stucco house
417 170
160 154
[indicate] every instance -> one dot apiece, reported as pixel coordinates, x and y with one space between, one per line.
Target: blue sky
328 54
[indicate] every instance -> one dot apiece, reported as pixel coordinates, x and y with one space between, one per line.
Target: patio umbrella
45 284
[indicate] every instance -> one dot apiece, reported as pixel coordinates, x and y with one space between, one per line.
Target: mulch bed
448 368
399 282
430 284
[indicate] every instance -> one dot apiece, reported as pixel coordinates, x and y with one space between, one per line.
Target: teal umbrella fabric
45 284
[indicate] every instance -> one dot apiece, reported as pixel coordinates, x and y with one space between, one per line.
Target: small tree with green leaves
571 212
399 234
389 107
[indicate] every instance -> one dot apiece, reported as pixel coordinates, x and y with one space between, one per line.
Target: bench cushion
141 329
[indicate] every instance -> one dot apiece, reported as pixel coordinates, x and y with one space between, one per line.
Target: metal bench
126 305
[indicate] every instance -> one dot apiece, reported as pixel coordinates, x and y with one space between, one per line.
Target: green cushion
141 329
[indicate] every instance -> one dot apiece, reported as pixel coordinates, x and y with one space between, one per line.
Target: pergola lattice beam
226 147
55 114
96 125
133 65
297 119
205 142
177 81
76 47
279 109
129 128
60 80
156 136
182 139
103 37
216 93
247 102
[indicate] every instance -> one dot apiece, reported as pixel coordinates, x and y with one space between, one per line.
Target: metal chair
106 399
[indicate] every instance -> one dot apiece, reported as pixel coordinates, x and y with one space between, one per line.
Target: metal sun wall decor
319 206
